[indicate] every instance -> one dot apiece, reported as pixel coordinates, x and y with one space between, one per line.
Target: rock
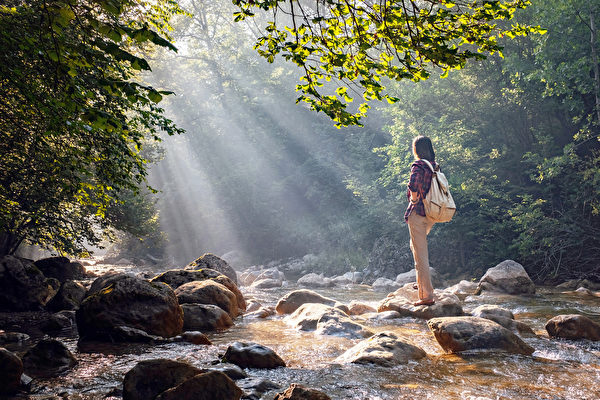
308 315
266 283
341 326
247 277
382 316
195 337
212 385
126 300
61 268
271 273
11 369
315 280
263 312
127 334
507 277
57 322
342 307
385 285
463 288
573 326
292 300
358 308
387 259
411 277
253 306
385 348
578 283
48 358
231 370
211 261
208 292
252 355
13 337
489 311
178 277
23 286
149 378
445 305
69 297
457 334
205 317
299 392
256 387
347 279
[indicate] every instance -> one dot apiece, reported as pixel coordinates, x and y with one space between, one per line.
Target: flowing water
557 370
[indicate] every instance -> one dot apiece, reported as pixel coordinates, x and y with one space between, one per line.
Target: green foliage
361 44
73 117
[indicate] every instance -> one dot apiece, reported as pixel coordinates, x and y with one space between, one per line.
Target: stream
558 369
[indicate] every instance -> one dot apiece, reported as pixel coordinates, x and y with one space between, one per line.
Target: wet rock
208 292
507 277
341 326
503 317
388 259
56 323
231 370
253 306
195 337
458 334
254 388
252 355
347 279
463 288
384 348
271 273
263 312
293 300
266 283
358 308
126 300
61 268
127 334
385 285
315 280
11 369
573 326
299 392
578 283
247 277
49 357
382 316
149 378
445 305
205 317
308 315
342 307
23 286
411 277
69 297
13 337
211 261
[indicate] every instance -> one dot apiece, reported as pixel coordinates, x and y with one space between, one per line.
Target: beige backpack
439 205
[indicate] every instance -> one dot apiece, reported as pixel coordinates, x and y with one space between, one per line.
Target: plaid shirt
420 182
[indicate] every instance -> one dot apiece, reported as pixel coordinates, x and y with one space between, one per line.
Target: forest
110 135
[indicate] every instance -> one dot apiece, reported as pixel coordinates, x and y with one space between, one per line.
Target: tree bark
593 34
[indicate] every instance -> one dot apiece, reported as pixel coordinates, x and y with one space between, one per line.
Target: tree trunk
593 34
9 243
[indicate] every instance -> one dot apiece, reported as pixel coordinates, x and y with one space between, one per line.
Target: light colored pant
419 228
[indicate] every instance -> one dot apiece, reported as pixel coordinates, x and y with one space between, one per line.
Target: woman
418 224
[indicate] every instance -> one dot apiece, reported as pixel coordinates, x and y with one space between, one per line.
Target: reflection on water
557 370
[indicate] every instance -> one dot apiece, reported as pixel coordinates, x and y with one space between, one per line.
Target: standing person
418 224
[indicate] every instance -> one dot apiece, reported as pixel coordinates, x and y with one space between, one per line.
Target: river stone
358 308
208 292
49 357
23 286
126 300
253 305
11 369
61 268
384 348
252 355
195 337
13 337
212 385
411 277
149 378
254 388
507 277
457 334
308 315
293 300
446 304
490 310
573 326
271 273
262 313
463 288
385 285
231 370
299 392
205 317
248 277
341 326
315 280
69 297
266 283
211 261
56 323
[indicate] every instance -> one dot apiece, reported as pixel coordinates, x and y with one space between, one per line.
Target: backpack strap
428 164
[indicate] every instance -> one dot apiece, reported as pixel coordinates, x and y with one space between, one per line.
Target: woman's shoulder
422 164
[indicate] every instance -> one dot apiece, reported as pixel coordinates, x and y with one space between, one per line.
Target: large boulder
388 259
573 326
401 300
208 292
205 317
178 277
48 358
212 385
458 334
293 300
299 392
252 355
69 297
126 300
149 378
11 369
23 286
385 348
315 280
507 277
61 268
211 261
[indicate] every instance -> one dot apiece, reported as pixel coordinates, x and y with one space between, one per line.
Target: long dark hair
422 148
